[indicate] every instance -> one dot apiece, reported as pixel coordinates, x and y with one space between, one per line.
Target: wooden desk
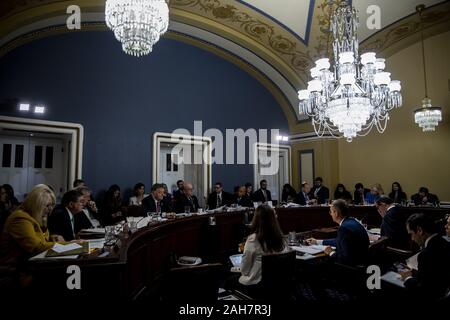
144 256
140 259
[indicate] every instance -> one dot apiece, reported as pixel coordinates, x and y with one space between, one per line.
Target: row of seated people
431 280
320 194
25 234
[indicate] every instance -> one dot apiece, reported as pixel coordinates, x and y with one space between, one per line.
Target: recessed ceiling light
24 107
39 109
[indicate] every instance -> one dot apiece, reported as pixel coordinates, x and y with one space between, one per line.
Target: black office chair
277 278
192 283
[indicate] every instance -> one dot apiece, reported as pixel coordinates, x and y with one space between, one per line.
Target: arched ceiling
277 41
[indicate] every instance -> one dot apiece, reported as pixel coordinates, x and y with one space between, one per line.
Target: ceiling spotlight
39 109
282 138
24 107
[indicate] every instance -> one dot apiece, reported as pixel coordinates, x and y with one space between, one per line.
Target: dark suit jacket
352 243
401 196
177 194
323 194
149 205
357 199
59 223
245 201
227 199
433 276
183 201
393 226
300 199
258 196
432 198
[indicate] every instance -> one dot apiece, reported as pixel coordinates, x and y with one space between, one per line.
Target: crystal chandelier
427 117
356 94
137 24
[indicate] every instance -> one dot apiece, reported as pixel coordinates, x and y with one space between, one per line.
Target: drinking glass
110 234
133 225
292 238
187 209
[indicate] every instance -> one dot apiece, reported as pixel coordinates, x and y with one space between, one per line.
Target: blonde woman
375 193
25 232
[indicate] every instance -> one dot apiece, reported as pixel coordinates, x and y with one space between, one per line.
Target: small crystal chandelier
427 117
357 94
137 24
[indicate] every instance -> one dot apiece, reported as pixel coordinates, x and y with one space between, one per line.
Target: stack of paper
308 249
394 278
68 249
412 262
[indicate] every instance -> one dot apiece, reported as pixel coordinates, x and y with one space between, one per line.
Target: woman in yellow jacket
23 236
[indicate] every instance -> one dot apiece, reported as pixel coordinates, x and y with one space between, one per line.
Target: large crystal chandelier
427 117
357 94
137 24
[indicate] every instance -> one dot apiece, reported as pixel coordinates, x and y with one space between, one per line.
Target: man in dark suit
303 196
352 241
393 224
424 198
68 219
360 194
319 192
241 198
179 192
187 199
219 197
431 281
262 194
155 201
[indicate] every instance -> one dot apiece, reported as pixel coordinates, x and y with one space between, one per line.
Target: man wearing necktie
262 194
187 199
68 218
320 192
303 197
154 202
219 197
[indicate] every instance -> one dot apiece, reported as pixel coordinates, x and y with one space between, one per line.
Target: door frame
74 130
272 147
205 142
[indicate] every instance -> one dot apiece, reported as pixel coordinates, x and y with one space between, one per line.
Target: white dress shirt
71 221
95 223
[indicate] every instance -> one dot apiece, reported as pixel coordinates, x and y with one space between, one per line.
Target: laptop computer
236 260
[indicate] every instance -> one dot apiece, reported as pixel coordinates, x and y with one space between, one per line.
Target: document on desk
94 230
65 247
394 278
42 255
412 262
309 249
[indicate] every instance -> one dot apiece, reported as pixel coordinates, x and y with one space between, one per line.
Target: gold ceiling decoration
433 17
255 26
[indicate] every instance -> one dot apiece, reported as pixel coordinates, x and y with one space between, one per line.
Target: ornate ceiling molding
405 32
